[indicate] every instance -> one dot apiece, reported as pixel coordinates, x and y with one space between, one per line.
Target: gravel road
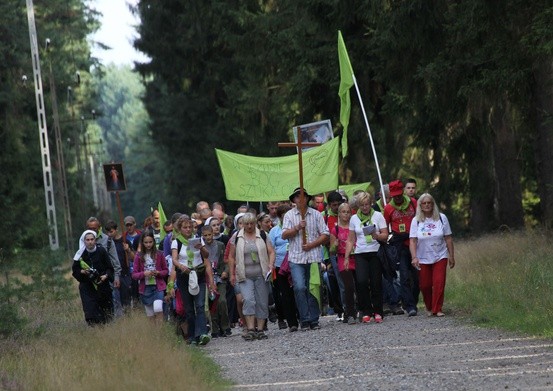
417 353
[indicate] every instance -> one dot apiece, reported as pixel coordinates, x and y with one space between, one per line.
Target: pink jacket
161 267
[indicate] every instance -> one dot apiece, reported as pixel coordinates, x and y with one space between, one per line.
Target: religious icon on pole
115 179
315 132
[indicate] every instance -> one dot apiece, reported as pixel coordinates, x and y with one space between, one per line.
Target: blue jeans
390 291
408 280
194 306
122 295
307 304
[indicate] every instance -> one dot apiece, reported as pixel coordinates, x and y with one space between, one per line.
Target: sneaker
228 332
366 319
387 309
273 317
282 325
315 326
305 327
261 335
412 313
204 339
377 318
293 329
396 310
339 318
351 320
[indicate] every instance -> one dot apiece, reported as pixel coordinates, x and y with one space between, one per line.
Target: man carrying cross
306 232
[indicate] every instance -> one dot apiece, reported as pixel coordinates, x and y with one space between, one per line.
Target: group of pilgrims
216 274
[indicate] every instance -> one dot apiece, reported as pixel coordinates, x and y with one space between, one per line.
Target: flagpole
347 78
383 197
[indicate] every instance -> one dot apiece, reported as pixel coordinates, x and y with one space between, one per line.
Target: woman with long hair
150 270
431 247
346 267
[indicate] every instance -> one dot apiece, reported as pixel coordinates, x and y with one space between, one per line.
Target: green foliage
124 128
35 278
238 75
215 92
66 24
452 94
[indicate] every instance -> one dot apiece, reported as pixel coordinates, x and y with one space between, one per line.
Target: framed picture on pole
115 179
314 132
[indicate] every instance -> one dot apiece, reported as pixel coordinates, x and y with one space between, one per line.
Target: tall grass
130 353
505 281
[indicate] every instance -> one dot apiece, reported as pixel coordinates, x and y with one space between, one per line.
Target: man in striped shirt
301 256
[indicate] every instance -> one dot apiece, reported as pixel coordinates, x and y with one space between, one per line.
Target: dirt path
417 353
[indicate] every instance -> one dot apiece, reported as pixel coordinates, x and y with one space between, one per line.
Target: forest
459 96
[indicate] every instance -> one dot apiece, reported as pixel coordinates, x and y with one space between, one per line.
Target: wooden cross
299 145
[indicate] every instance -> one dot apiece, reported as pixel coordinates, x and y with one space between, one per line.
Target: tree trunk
543 103
507 168
480 172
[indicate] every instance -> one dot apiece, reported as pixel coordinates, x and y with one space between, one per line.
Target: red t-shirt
400 220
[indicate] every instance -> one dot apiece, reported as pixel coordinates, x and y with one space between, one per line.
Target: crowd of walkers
211 272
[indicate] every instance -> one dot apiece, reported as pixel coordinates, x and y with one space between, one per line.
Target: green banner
350 189
251 178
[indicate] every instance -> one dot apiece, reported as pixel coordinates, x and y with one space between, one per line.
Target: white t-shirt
183 255
361 244
149 265
431 246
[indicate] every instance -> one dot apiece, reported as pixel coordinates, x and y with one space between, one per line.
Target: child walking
346 267
150 269
219 318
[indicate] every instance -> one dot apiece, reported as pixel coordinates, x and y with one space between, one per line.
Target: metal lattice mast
43 132
62 182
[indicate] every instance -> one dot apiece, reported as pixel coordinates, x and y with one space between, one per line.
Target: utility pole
43 132
62 178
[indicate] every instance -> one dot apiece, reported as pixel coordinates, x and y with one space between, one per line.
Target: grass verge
505 281
132 352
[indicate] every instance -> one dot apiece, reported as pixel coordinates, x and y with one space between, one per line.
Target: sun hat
296 192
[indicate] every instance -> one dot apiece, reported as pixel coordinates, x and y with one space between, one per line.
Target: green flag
350 189
346 81
162 220
251 178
